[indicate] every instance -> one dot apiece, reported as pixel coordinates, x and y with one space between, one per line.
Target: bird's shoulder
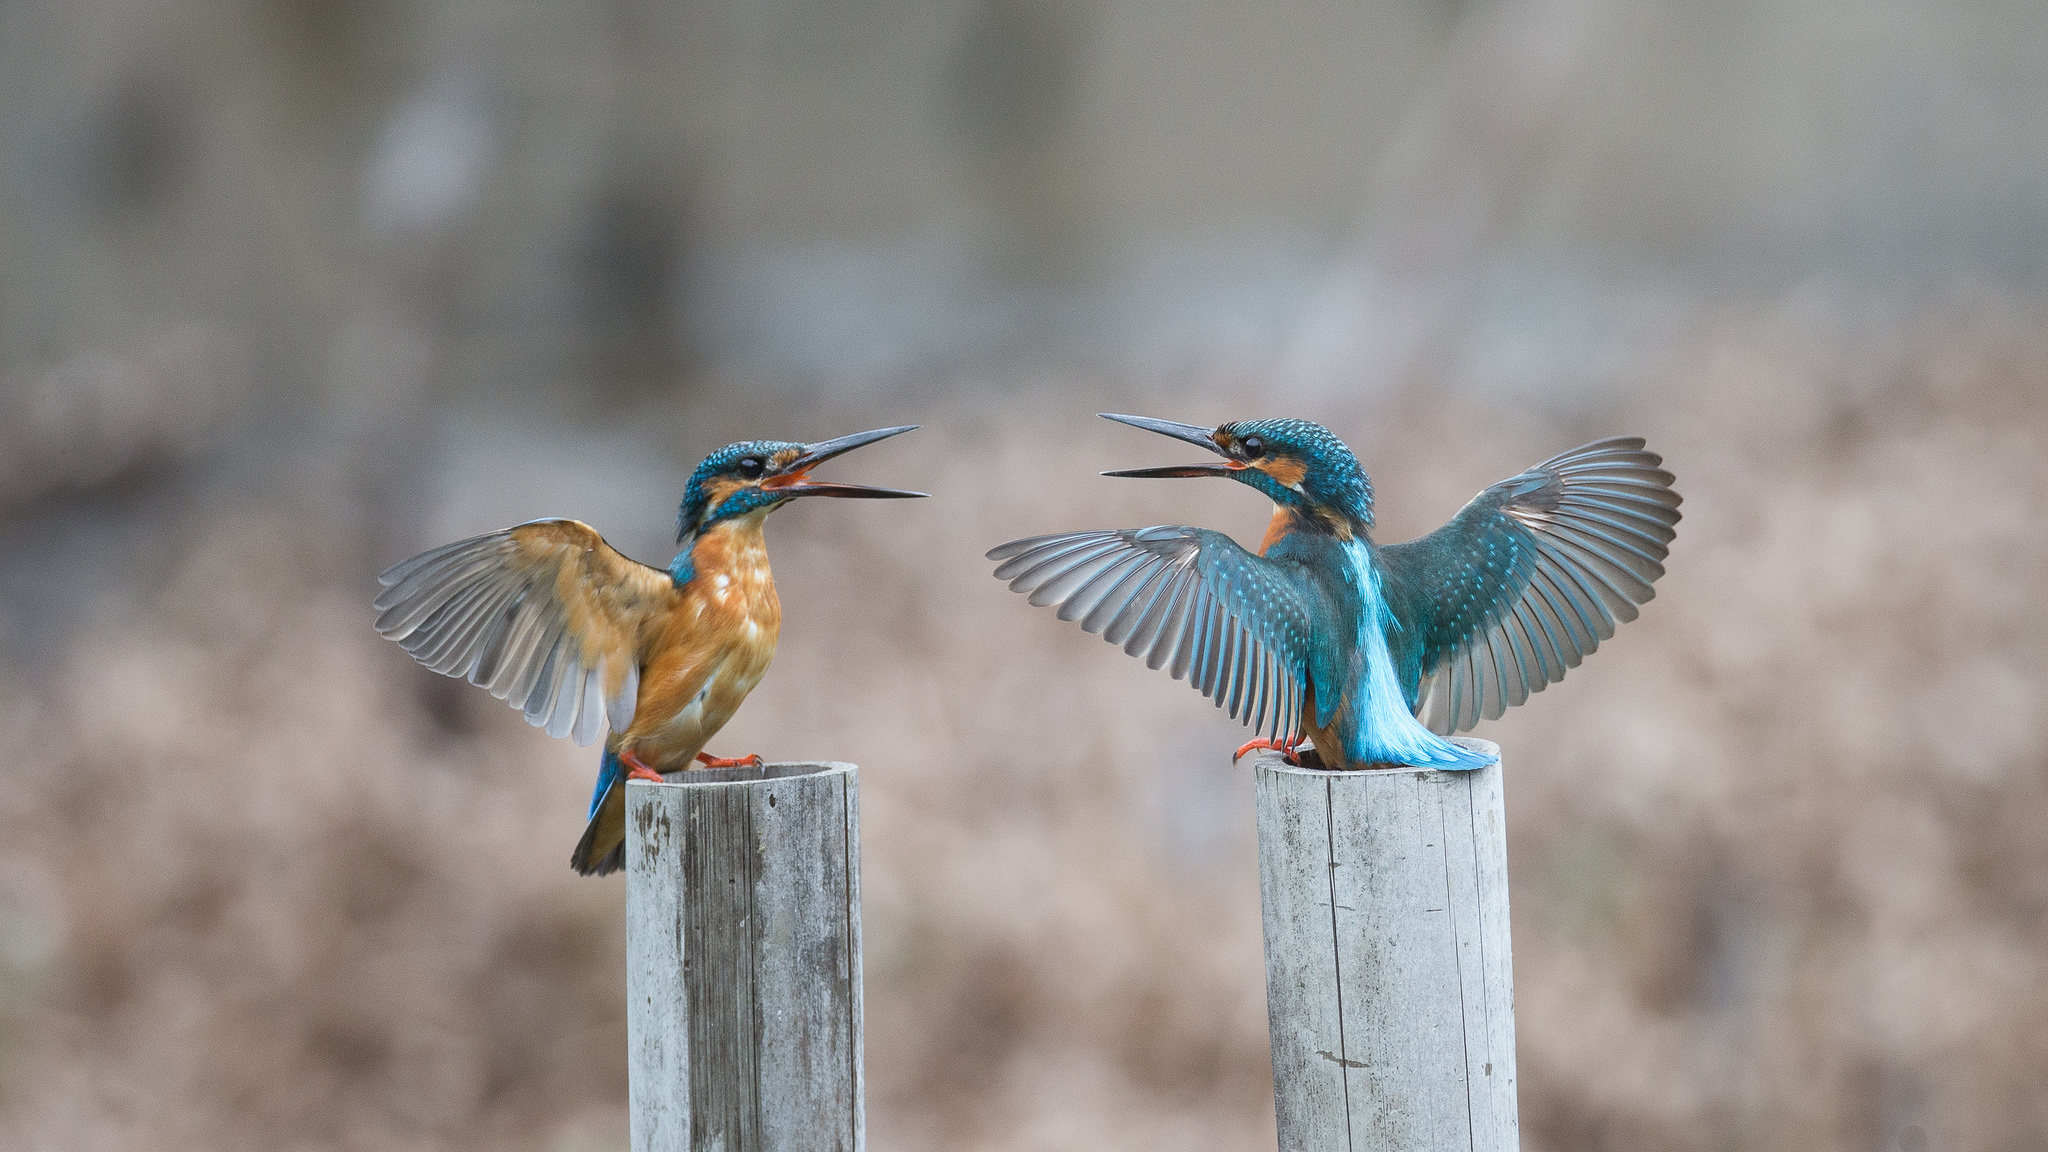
1319 561
572 542
599 587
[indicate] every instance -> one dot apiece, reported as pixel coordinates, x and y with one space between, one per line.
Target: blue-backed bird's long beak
794 479
1188 432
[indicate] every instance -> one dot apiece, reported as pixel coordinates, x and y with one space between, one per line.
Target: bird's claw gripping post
751 760
637 769
1286 748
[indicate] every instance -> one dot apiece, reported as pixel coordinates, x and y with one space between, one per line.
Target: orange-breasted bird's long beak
794 479
1188 432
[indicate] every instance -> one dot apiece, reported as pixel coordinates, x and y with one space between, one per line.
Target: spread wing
1531 575
546 616
1236 625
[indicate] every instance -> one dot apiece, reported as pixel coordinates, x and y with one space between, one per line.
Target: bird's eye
751 467
1253 447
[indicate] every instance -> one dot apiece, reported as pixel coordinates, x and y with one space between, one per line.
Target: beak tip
815 454
1189 433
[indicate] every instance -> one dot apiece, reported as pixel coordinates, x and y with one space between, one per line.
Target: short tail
1455 756
602 851
1399 738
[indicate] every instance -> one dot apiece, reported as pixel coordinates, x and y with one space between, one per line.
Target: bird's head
760 475
1300 464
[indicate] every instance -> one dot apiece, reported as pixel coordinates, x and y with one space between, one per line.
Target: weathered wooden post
1389 986
743 978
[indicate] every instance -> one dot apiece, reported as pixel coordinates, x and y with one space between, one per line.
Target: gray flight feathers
467 609
1186 599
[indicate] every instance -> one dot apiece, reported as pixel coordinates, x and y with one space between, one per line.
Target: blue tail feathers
607 773
1460 758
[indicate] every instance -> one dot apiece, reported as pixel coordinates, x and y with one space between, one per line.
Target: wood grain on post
1389 983
743 977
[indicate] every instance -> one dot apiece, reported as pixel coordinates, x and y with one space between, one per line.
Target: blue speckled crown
1334 480
690 517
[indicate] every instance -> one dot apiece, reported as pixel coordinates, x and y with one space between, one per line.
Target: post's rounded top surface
699 777
1268 760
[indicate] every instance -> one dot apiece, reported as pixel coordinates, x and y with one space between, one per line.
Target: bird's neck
1294 519
736 549
1283 524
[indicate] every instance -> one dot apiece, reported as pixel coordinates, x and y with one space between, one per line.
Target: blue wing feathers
1527 580
1234 624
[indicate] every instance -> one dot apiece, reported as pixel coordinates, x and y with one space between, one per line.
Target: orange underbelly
708 651
670 734
693 685
697 673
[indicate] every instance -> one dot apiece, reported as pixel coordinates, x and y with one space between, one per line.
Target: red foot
748 761
637 770
1285 748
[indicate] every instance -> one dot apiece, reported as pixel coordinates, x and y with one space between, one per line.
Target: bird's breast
711 648
733 591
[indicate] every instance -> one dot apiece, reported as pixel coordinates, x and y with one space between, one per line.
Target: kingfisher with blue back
551 619
1376 654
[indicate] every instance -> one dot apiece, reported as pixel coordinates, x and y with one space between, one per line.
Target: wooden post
743 981
1389 986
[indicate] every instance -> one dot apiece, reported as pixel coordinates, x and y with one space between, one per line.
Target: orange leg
751 760
1286 748
637 769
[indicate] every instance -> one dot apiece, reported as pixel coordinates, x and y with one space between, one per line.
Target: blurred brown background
291 289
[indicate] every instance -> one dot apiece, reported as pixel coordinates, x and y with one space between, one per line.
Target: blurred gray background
290 290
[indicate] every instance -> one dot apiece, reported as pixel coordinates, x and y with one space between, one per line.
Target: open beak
794 479
1188 432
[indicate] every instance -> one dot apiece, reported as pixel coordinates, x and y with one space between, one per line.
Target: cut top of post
695 776
1269 760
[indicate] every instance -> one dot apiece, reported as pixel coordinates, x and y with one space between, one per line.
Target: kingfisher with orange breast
1376 653
551 619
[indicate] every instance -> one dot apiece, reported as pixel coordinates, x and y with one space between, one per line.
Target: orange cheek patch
1286 469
